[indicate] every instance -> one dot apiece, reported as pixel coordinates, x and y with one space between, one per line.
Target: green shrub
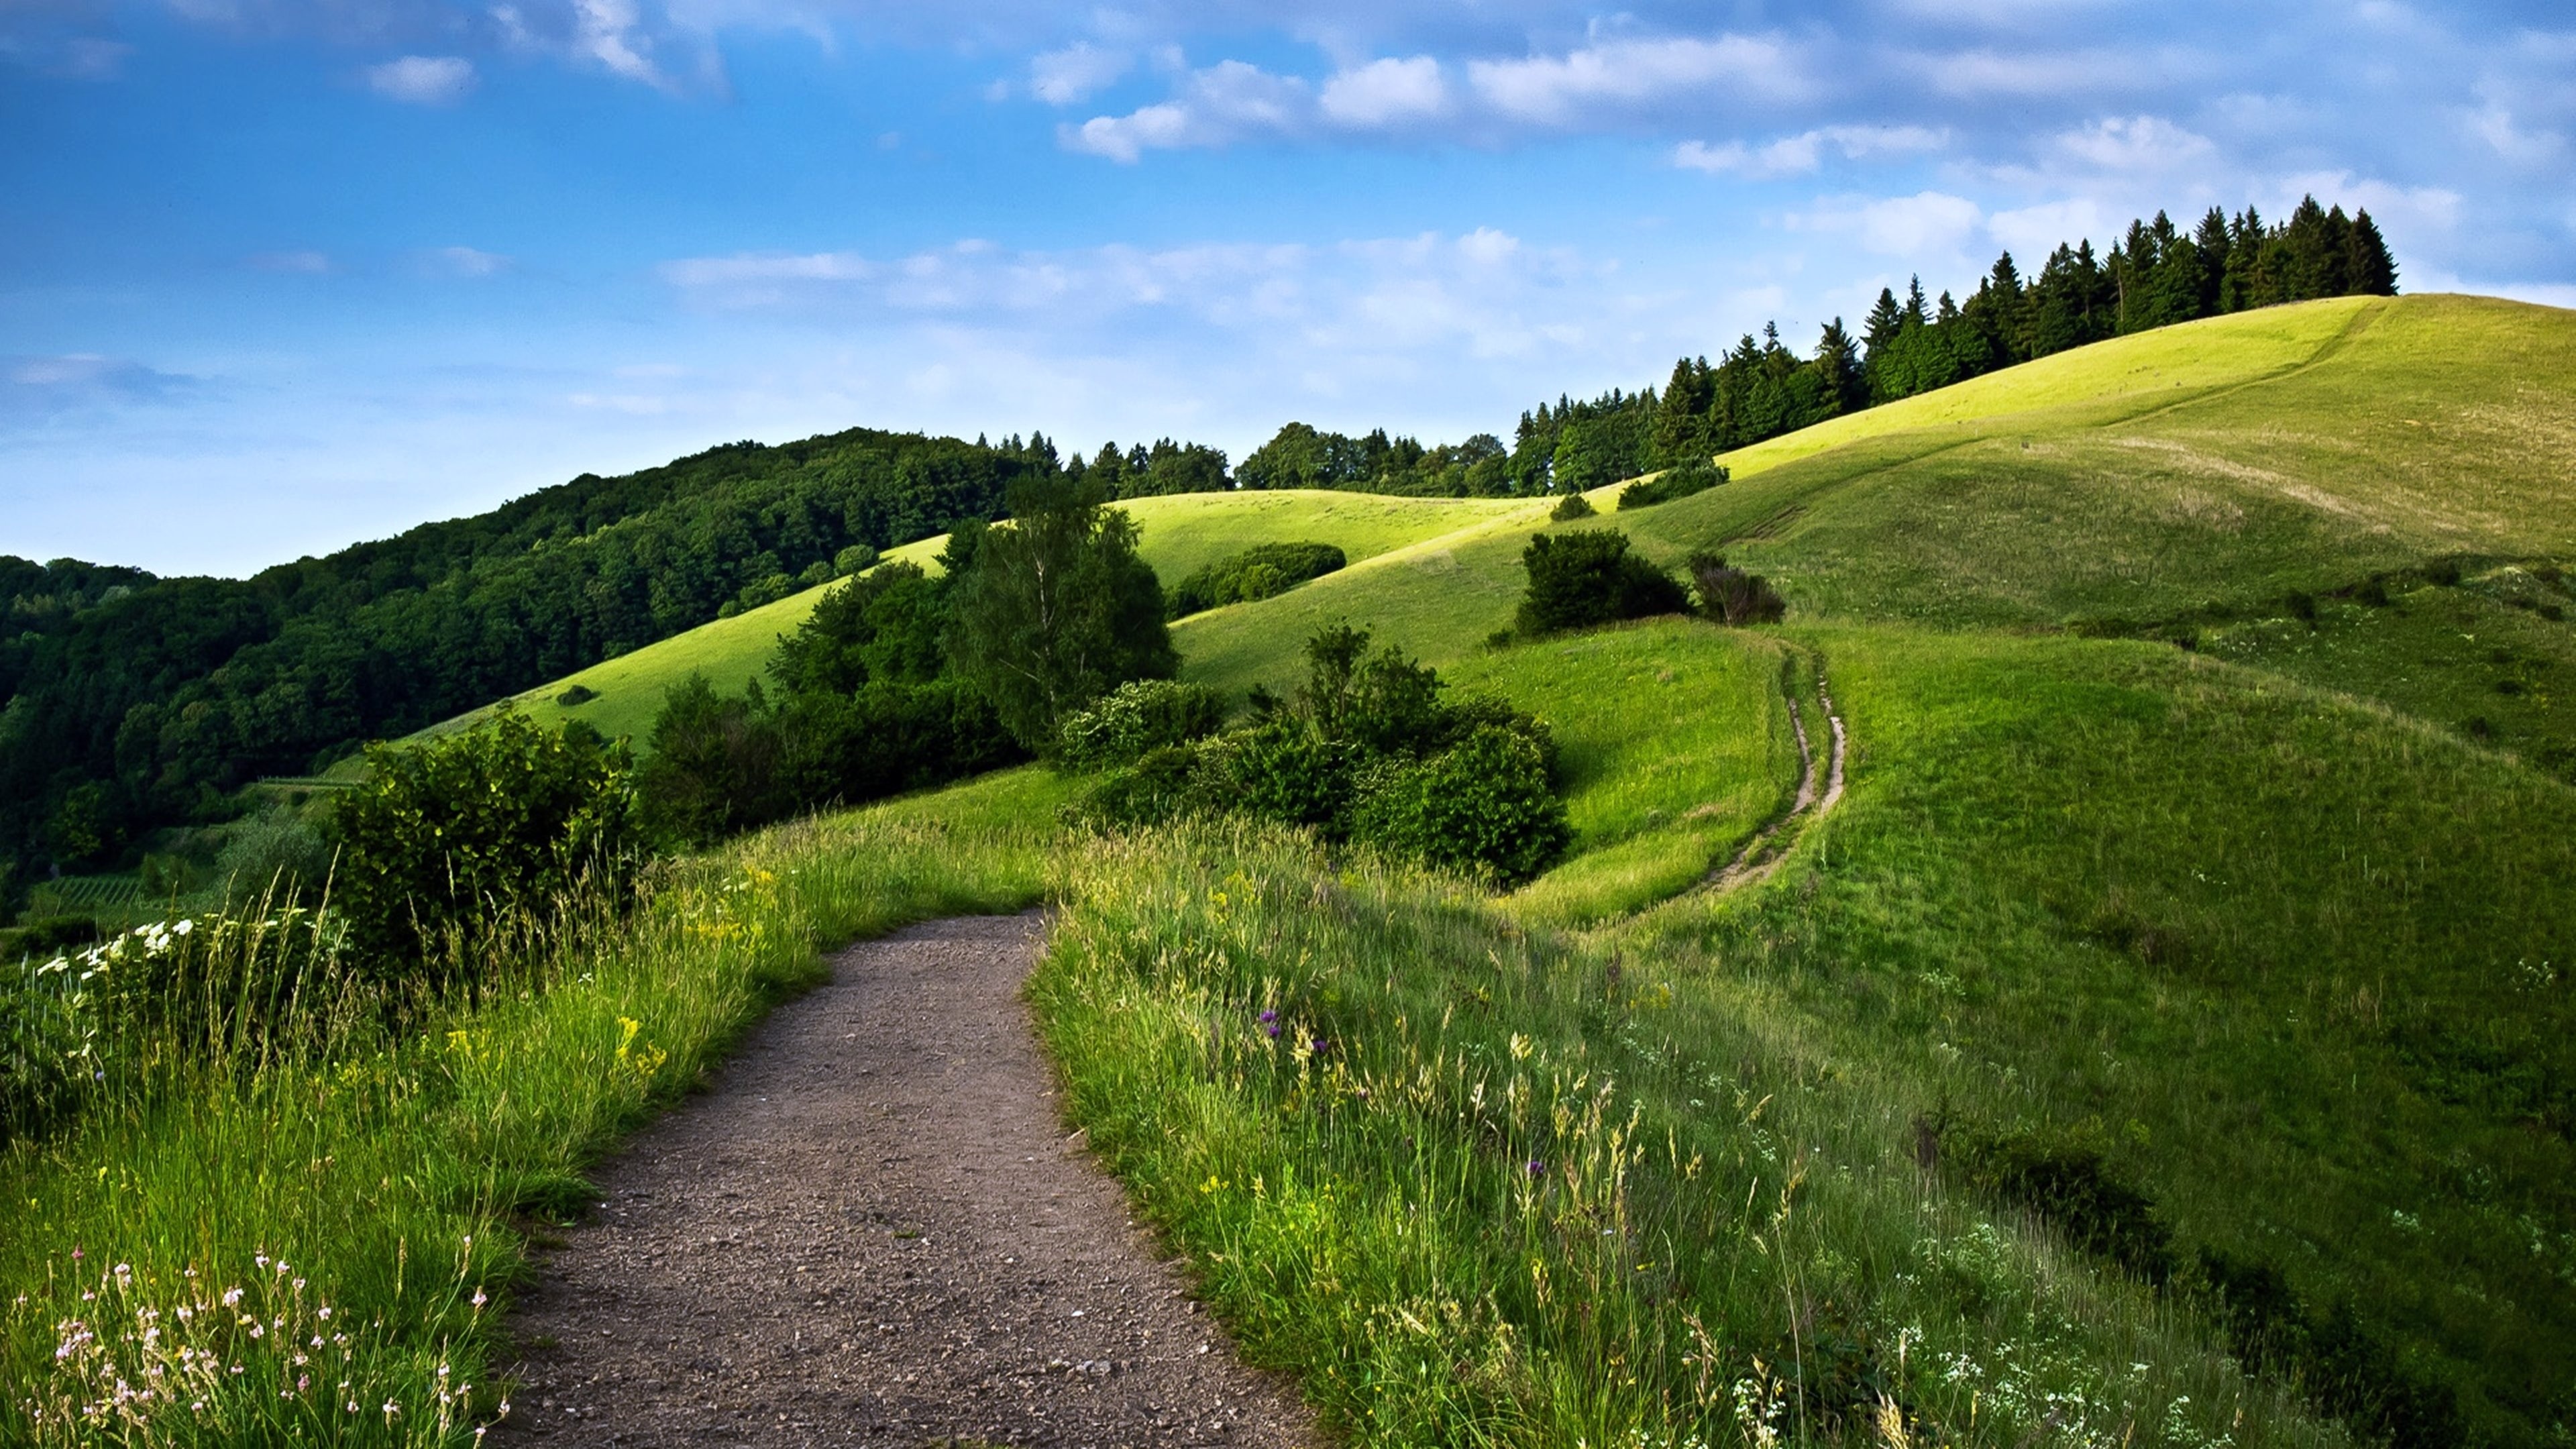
275 852
857 558
1366 749
1731 596
1679 481
1161 786
452 837
1136 718
1586 578
576 696
721 765
56 933
1484 807
1255 573
1571 507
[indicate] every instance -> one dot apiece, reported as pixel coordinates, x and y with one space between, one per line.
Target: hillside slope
1177 534
2277 944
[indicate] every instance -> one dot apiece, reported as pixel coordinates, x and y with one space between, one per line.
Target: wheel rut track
1763 853
875 1230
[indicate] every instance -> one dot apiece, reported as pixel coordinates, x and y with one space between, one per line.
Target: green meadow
2208 828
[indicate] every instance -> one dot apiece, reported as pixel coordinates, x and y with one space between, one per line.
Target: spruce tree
2211 241
2369 270
1879 328
1838 363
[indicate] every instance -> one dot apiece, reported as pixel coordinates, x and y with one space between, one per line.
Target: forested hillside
136 703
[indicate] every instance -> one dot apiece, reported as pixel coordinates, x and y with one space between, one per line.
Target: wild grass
372 1189
1674 738
2483 659
2300 968
1480 1186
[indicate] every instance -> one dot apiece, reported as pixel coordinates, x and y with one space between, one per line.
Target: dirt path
875 1231
1755 862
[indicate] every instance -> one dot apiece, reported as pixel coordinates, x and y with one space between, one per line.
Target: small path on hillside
875 1231
1757 860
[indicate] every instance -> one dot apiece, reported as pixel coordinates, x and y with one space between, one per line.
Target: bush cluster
1368 751
1571 507
452 838
1255 573
725 764
1729 595
1681 480
1586 578
1136 719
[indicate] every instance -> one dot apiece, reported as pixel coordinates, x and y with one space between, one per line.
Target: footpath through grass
235 1248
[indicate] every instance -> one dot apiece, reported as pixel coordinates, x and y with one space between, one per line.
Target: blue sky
276 275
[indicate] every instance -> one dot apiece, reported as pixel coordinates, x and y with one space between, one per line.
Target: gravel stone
876 1230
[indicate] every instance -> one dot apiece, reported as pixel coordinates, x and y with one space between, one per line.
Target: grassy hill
1179 533
2207 822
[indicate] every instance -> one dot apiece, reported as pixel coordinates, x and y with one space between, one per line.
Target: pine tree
1838 363
1879 328
2334 238
2299 253
2212 243
2007 311
2368 269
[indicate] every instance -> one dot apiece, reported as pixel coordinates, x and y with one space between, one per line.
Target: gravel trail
875 1231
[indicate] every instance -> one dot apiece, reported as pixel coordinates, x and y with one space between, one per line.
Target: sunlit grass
391 1168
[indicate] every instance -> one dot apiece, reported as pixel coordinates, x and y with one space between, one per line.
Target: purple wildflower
1536 1167
1268 1017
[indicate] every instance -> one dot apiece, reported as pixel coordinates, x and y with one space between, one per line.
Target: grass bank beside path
1477 1185
253 1252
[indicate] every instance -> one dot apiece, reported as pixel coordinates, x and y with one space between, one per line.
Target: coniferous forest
136 703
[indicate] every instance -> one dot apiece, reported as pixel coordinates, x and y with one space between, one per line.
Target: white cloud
2032 232
2136 145
611 32
2496 125
423 80
1223 103
1800 154
1927 225
2039 74
467 262
1558 90
1384 92
2396 208
1062 77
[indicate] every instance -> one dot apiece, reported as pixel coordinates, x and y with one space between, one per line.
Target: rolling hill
2206 824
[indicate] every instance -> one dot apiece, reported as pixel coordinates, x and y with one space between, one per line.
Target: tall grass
1478 1186
239 1243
